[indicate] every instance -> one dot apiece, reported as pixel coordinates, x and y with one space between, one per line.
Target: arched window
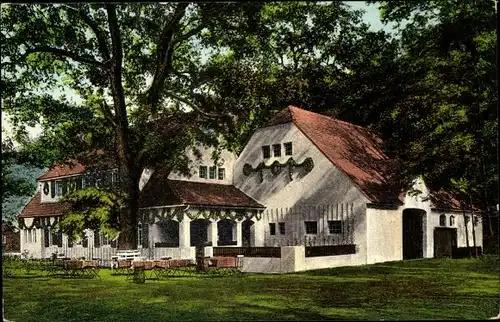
442 220
452 221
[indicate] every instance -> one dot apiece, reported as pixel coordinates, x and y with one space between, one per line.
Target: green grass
421 289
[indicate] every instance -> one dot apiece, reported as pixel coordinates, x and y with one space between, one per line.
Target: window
34 235
442 220
139 233
211 172
452 221
203 172
311 227
272 229
58 188
29 236
221 174
104 240
288 148
266 151
334 227
281 227
277 150
25 235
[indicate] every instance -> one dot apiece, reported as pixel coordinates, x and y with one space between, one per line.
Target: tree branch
190 104
164 55
101 39
63 53
188 34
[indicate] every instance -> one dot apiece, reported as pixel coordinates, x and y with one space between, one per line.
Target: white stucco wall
460 227
325 186
384 235
226 161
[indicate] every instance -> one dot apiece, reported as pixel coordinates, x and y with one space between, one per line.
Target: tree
445 126
127 62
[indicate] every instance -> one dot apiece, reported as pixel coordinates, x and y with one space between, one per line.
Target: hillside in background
12 205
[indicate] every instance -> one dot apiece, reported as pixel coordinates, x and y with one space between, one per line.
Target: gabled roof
355 150
73 167
160 191
35 208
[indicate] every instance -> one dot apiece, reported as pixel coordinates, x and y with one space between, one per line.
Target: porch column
185 232
239 233
212 232
257 231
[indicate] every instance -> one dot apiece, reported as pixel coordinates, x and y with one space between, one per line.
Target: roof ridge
331 118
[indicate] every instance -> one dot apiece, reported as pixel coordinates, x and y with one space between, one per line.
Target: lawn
418 289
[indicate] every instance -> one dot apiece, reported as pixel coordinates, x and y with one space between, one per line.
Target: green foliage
92 208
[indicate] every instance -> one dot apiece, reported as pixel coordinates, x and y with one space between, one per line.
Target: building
10 239
307 191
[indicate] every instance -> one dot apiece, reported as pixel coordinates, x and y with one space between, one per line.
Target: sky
371 17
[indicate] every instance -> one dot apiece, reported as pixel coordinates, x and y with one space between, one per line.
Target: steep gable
355 150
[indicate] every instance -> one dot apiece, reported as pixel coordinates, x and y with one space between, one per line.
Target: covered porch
181 216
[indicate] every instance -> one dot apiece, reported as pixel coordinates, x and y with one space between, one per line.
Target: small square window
442 220
221 173
266 151
211 172
58 188
203 172
311 227
272 229
277 150
288 148
281 227
335 227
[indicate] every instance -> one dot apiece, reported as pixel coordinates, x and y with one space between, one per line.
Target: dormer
204 169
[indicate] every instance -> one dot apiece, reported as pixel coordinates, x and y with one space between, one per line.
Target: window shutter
145 232
97 241
52 188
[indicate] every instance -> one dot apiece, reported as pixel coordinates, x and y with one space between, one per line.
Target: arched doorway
225 230
168 233
413 233
246 232
199 232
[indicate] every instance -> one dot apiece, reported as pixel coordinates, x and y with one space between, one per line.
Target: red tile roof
61 170
355 150
159 191
35 208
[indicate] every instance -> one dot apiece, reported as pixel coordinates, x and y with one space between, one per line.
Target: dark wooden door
413 234
445 242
